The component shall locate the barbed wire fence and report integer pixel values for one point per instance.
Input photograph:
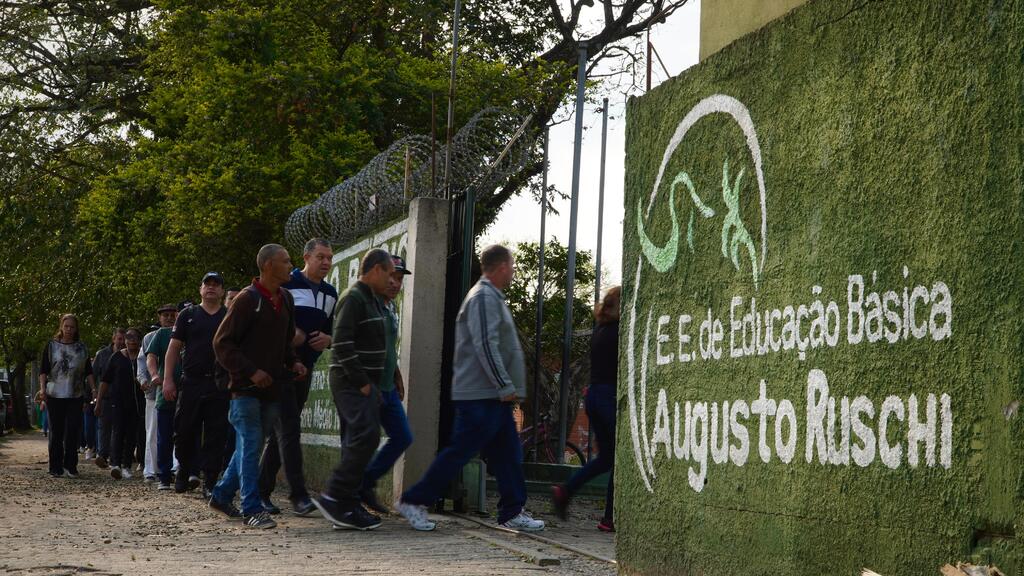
(485, 152)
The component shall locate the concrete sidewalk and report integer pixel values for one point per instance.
(98, 525)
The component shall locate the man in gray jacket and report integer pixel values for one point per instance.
(489, 376)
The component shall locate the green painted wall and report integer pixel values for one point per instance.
(320, 423)
(880, 147)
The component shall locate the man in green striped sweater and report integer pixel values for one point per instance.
(358, 355)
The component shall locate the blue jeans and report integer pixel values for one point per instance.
(487, 427)
(90, 431)
(396, 426)
(252, 421)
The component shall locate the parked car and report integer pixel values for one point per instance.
(6, 406)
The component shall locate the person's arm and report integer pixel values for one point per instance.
(98, 409)
(170, 389)
(90, 378)
(399, 384)
(344, 357)
(290, 357)
(44, 373)
(483, 319)
(108, 376)
(227, 341)
(327, 330)
(142, 372)
(153, 367)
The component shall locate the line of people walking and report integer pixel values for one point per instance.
(212, 397)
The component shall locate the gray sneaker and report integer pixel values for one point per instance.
(416, 515)
(524, 523)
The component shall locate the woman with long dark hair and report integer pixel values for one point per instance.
(63, 374)
(600, 405)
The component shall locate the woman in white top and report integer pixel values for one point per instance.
(63, 374)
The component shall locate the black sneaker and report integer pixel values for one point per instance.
(369, 498)
(193, 482)
(342, 517)
(227, 509)
(304, 508)
(269, 506)
(357, 519)
(259, 520)
(180, 482)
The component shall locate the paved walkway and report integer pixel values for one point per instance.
(100, 526)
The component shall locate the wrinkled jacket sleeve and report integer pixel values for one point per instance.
(290, 357)
(227, 342)
(345, 365)
(483, 319)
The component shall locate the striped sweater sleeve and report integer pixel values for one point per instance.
(348, 314)
(483, 318)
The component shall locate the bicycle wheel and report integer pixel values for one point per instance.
(548, 453)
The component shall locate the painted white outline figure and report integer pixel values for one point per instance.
(720, 104)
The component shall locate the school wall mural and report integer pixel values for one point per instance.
(821, 347)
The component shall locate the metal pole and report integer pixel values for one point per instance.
(648, 60)
(600, 203)
(451, 101)
(433, 146)
(600, 233)
(539, 327)
(570, 277)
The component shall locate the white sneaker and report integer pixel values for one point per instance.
(523, 522)
(416, 515)
(126, 473)
(89, 454)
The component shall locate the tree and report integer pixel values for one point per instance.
(522, 299)
(172, 137)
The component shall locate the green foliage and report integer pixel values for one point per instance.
(143, 142)
(522, 294)
(255, 110)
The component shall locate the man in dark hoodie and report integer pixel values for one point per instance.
(254, 345)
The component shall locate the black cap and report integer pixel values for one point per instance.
(184, 304)
(167, 308)
(215, 276)
(400, 264)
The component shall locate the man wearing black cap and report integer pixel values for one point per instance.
(392, 392)
(202, 409)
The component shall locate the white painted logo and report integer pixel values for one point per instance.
(915, 429)
(664, 258)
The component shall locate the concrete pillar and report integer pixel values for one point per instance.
(422, 335)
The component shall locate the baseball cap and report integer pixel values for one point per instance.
(166, 308)
(213, 276)
(400, 264)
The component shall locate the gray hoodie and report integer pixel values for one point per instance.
(488, 358)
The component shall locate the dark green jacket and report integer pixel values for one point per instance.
(360, 339)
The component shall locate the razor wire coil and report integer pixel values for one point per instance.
(382, 190)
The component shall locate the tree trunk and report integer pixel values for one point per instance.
(21, 420)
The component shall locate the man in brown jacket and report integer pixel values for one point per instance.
(254, 345)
